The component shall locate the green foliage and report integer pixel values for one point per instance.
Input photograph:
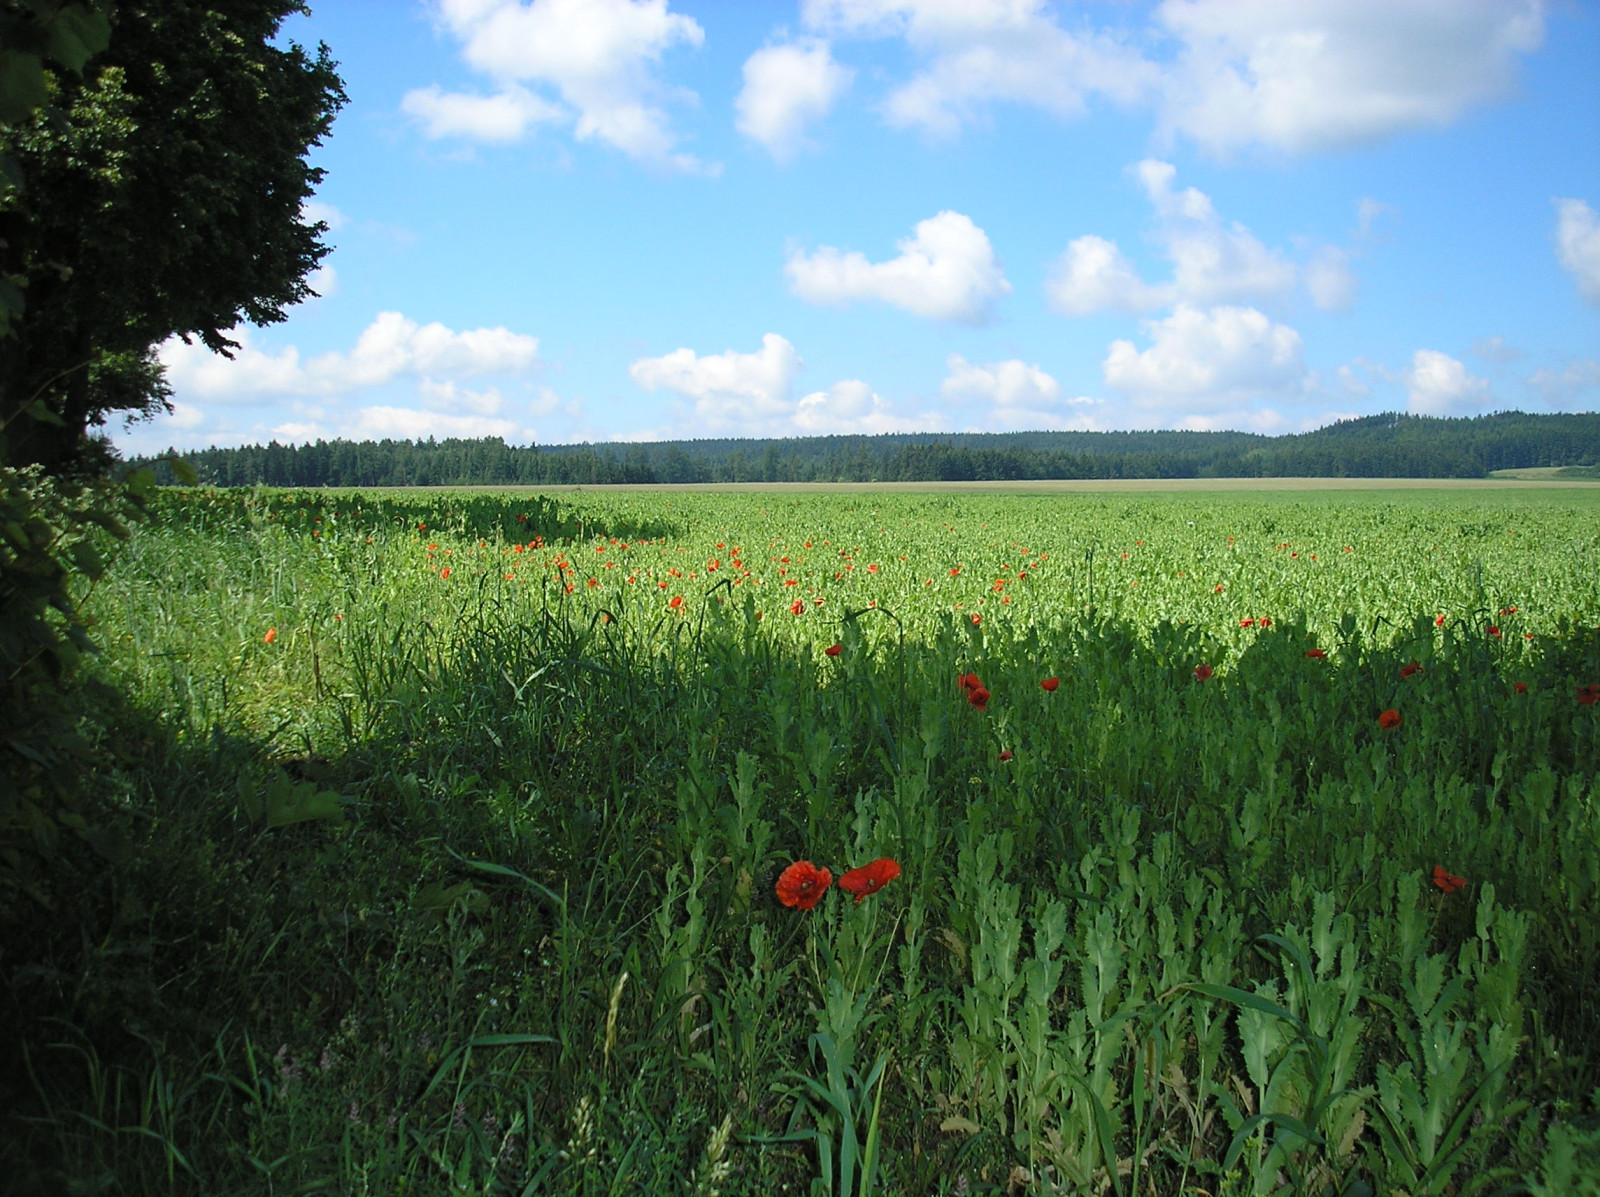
(159, 195)
(1185, 939)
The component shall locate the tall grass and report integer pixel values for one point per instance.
(465, 883)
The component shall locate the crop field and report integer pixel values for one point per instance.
(837, 843)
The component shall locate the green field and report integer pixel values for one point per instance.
(455, 821)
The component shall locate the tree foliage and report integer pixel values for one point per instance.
(1386, 446)
(159, 193)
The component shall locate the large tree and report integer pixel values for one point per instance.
(160, 193)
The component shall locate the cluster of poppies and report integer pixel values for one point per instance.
(977, 695)
(802, 884)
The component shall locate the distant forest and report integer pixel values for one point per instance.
(1383, 446)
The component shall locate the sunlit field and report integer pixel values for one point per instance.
(497, 843)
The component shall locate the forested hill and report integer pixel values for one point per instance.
(1383, 446)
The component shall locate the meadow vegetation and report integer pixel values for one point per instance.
(438, 837)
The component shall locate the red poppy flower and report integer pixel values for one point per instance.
(870, 878)
(1589, 695)
(1494, 631)
(1202, 672)
(1264, 622)
(1408, 670)
(802, 884)
(1448, 882)
(976, 619)
(677, 601)
(1219, 588)
(1389, 718)
(978, 697)
(445, 572)
(272, 634)
(1247, 623)
(1316, 654)
(1050, 684)
(1006, 754)
(796, 607)
(1439, 622)
(1520, 688)
(833, 650)
(969, 681)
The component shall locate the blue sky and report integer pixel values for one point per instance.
(569, 220)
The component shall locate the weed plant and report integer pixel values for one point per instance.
(455, 872)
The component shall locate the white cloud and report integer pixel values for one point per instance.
(1330, 281)
(313, 211)
(448, 398)
(1321, 74)
(977, 52)
(503, 116)
(1560, 387)
(1208, 360)
(1011, 383)
(1438, 385)
(786, 86)
(324, 281)
(404, 423)
(600, 56)
(728, 389)
(1212, 261)
(1578, 245)
(947, 271)
(390, 346)
(1094, 276)
(851, 406)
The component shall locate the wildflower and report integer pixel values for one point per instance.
(976, 619)
(1520, 688)
(1494, 631)
(1448, 882)
(1005, 755)
(1202, 672)
(1316, 654)
(1408, 670)
(1389, 719)
(272, 634)
(677, 601)
(969, 681)
(1247, 623)
(1439, 622)
(445, 572)
(833, 650)
(802, 884)
(979, 697)
(797, 607)
(1049, 684)
(869, 879)
(1589, 695)
(1219, 588)
(1264, 622)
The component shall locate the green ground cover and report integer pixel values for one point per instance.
(457, 819)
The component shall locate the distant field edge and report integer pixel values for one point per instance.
(1587, 473)
(1503, 481)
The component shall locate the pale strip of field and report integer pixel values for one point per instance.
(1059, 486)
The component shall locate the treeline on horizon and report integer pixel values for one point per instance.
(1382, 446)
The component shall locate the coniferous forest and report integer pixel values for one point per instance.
(1382, 446)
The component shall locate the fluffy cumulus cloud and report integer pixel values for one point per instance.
(1578, 245)
(946, 271)
(977, 52)
(1013, 395)
(1321, 74)
(1438, 385)
(851, 406)
(600, 57)
(1207, 361)
(728, 390)
(392, 345)
(1213, 261)
(785, 87)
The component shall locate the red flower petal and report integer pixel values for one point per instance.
(802, 885)
(870, 878)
